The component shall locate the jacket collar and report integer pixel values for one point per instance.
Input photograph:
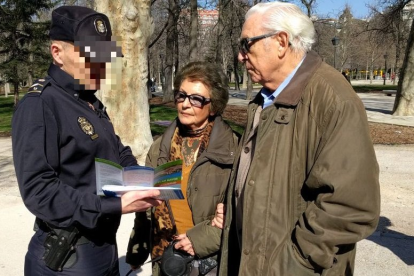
(291, 95)
(293, 92)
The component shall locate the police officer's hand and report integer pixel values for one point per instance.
(139, 201)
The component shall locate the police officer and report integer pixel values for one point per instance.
(58, 129)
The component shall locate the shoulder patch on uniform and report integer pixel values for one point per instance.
(38, 85)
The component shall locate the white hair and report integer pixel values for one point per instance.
(286, 17)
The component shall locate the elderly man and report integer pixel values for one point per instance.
(58, 130)
(305, 184)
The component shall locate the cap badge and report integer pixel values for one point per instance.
(100, 26)
(87, 127)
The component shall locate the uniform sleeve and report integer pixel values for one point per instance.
(344, 182)
(125, 154)
(36, 159)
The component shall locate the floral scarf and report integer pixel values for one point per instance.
(164, 228)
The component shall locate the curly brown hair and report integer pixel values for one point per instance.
(212, 76)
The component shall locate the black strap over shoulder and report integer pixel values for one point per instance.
(38, 85)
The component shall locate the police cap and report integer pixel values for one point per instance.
(89, 30)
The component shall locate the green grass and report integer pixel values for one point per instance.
(157, 113)
(357, 88)
(6, 112)
(235, 127)
(160, 113)
(369, 88)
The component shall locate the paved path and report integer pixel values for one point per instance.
(377, 105)
(389, 251)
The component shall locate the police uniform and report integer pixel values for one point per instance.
(58, 130)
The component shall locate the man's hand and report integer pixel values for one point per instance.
(139, 201)
(219, 218)
(184, 244)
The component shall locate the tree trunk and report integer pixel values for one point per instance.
(16, 93)
(219, 33)
(30, 70)
(404, 100)
(244, 84)
(173, 13)
(6, 89)
(128, 105)
(236, 74)
(149, 81)
(249, 90)
(193, 31)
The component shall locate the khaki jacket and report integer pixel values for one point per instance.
(312, 189)
(207, 187)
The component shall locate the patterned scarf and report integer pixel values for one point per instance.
(163, 219)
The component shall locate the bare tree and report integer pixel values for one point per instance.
(393, 22)
(309, 5)
(193, 30)
(128, 106)
(404, 101)
(171, 49)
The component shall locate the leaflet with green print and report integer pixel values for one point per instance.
(114, 180)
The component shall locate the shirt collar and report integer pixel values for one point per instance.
(269, 97)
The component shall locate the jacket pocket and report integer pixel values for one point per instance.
(295, 263)
(296, 255)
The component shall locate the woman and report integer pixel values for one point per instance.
(206, 144)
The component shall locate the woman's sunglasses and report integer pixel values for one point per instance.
(195, 100)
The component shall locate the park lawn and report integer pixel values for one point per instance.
(6, 112)
(358, 88)
(157, 113)
(373, 88)
(160, 113)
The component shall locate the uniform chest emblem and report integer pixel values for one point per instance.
(100, 26)
(87, 127)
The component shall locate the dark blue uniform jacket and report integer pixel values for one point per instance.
(56, 136)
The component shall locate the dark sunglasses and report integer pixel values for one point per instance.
(244, 42)
(195, 100)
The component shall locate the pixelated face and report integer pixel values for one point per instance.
(193, 112)
(88, 73)
(93, 66)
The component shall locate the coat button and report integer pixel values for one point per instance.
(251, 182)
(246, 252)
(282, 118)
(264, 117)
(196, 189)
(246, 150)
